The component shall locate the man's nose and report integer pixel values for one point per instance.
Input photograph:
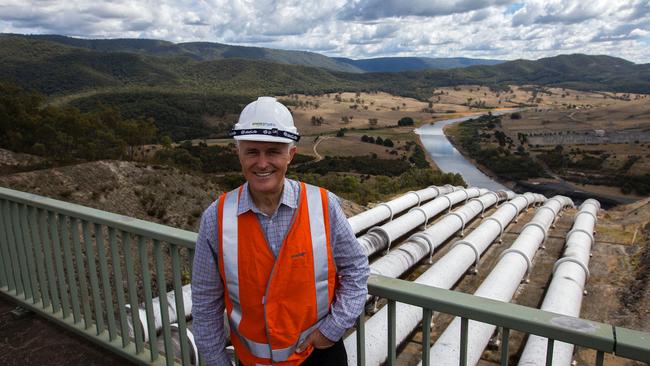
(262, 161)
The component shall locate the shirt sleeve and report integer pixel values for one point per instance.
(208, 294)
(352, 269)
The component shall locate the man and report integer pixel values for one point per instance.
(278, 255)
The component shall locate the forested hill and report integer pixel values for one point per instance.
(200, 51)
(399, 64)
(182, 93)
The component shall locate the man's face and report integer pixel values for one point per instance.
(265, 164)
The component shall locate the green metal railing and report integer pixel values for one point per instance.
(72, 264)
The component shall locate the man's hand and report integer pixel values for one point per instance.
(315, 339)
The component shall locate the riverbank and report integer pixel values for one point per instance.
(546, 186)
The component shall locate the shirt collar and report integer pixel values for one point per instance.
(290, 194)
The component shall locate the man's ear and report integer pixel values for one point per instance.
(292, 152)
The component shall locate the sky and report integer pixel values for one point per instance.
(494, 29)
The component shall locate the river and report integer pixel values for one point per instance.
(448, 159)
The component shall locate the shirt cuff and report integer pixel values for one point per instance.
(331, 330)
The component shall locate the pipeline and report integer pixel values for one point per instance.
(564, 294)
(381, 237)
(501, 284)
(387, 210)
(421, 244)
(443, 273)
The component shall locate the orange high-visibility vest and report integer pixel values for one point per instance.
(273, 304)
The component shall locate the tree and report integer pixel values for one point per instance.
(388, 143)
(406, 121)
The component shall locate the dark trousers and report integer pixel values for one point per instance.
(332, 356)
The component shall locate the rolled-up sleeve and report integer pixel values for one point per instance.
(207, 294)
(352, 269)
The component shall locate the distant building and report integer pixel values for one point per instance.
(600, 133)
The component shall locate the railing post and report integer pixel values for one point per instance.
(46, 239)
(361, 340)
(58, 261)
(19, 240)
(505, 346)
(146, 282)
(180, 307)
(81, 273)
(549, 352)
(392, 337)
(162, 295)
(119, 288)
(106, 283)
(92, 273)
(29, 252)
(464, 325)
(133, 294)
(426, 336)
(67, 255)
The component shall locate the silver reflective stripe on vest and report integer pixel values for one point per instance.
(319, 248)
(261, 350)
(230, 261)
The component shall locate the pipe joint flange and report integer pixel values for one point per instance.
(416, 195)
(500, 226)
(591, 236)
(425, 238)
(573, 260)
(529, 264)
(472, 246)
(588, 213)
(389, 210)
(424, 213)
(453, 189)
(448, 200)
(462, 221)
(482, 205)
(537, 225)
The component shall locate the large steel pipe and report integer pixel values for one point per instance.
(381, 237)
(443, 273)
(500, 284)
(564, 294)
(387, 210)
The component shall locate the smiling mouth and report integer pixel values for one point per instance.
(263, 175)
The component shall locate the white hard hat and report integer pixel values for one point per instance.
(265, 119)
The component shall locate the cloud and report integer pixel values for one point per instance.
(504, 29)
(378, 9)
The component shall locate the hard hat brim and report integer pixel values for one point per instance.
(263, 138)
